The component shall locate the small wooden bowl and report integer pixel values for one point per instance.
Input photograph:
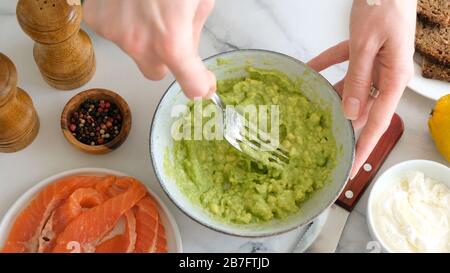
(96, 93)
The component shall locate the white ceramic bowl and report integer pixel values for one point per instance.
(173, 234)
(315, 87)
(396, 173)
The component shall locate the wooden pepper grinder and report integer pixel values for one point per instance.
(19, 123)
(63, 52)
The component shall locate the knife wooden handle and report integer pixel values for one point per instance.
(355, 187)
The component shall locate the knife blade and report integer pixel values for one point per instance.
(326, 242)
(329, 237)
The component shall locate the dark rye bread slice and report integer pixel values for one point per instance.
(435, 71)
(434, 11)
(433, 42)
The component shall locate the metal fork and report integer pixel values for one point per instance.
(238, 132)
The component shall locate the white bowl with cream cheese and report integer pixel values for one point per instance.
(409, 208)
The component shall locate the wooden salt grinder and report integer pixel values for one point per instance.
(19, 123)
(63, 52)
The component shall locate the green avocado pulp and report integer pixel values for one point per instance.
(234, 187)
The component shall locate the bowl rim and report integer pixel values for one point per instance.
(266, 234)
(109, 146)
(22, 201)
(369, 216)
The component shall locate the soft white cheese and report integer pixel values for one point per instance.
(413, 215)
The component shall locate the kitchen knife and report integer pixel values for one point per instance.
(331, 232)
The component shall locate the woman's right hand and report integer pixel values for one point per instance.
(159, 35)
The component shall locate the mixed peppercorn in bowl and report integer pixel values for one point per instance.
(96, 121)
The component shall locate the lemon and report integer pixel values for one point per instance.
(439, 125)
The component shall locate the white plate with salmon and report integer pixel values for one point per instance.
(89, 210)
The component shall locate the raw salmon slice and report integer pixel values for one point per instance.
(121, 243)
(147, 224)
(91, 226)
(25, 231)
(161, 242)
(79, 201)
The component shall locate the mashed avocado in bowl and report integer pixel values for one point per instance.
(232, 192)
(234, 187)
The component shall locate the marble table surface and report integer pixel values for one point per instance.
(300, 28)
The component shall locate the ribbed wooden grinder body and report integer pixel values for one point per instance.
(63, 52)
(19, 123)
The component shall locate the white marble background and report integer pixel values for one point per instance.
(300, 28)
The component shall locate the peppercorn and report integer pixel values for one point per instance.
(96, 122)
(72, 127)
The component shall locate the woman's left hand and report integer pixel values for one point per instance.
(380, 52)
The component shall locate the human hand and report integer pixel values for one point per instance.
(159, 35)
(380, 51)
